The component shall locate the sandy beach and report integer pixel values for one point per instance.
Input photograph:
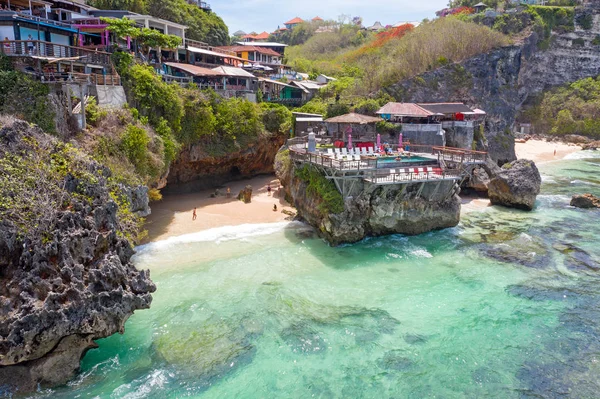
(173, 215)
(543, 151)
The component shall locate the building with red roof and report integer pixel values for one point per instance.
(293, 22)
(317, 19)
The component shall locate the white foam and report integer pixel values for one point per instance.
(586, 183)
(548, 179)
(583, 155)
(421, 253)
(219, 234)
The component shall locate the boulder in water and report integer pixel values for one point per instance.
(585, 201)
(516, 185)
(245, 195)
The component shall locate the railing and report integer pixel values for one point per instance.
(41, 48)
(75, 77)
(407, 175)
(447, 124)
(36, 19)
(460, 155)
(182, 80)
(290, 101)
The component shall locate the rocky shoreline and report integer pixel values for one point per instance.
(66, 277)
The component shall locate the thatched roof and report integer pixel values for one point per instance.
(353, 118)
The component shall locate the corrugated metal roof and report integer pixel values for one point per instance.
(232, 71)
(445, 108)
(209, 52)
(194, 70)
(308, 119)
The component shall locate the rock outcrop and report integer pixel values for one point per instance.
(501, 81)
(516, 185)
(586, 201)
(375, 210)
(65, 273)
(196, 169)
(245, 195)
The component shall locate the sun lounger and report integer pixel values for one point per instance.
(364, 151)
(344, 151)
(337, 151)
(330, 152)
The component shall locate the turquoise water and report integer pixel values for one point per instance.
(404, 159)
(506, 305)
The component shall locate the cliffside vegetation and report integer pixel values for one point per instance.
(365, 67)
(571, 109)
(203, 26)
(331, 200)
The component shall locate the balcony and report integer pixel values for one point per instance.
(39, 48)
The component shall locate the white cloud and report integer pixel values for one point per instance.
(261, 15)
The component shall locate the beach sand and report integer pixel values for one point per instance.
(543, 151)
(172, 216)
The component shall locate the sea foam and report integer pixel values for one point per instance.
(219, 234)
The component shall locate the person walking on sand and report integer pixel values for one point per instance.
(194, 214)
(228, 192)
(269, 190)
(275, 208)
(555, 152)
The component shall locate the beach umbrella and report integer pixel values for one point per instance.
(400, 140)
(349, 141)
(378, 141)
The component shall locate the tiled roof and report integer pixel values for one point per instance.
(317, 18)
(261, 50)
(262, 36)
(404, 109)
(296, 20)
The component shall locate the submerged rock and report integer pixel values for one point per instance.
(516, 185)
(525, 250)
(395, 360)
(585, 201)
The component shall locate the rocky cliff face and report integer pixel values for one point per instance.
(196, 169)
(376, 210)
(65, 273)
(501, 81)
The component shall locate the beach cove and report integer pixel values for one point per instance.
(503, 305)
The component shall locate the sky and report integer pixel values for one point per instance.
(267, 15)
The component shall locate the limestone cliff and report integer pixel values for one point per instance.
(501, 81)
(196, 168)
(65, 273)
(375, 210)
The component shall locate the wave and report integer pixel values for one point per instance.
(587, 154)
(220, 234)
(587, 183)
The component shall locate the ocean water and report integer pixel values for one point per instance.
(506, 305)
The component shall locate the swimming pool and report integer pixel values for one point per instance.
(405, 159)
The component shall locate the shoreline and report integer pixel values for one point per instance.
(172, 216)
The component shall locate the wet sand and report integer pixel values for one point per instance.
(173, 215)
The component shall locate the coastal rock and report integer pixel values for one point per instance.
(245, 195)
(66, 278)
(576, 139)
(375, 210)
(594, 145)
(516, 185)
(479, 180)
(204, 165)
(585, 201)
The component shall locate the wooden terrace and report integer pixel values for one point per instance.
(53, 52)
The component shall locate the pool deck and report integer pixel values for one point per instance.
(430, 167)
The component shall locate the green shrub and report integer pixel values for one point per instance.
(586, 21)
(276, 118)
(93, 113)
(134, 143)
(331, 200)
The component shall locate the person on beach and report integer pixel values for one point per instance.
(275, 208)
(269, 190)
(194, 214)
(555, 152)
(228, 192)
